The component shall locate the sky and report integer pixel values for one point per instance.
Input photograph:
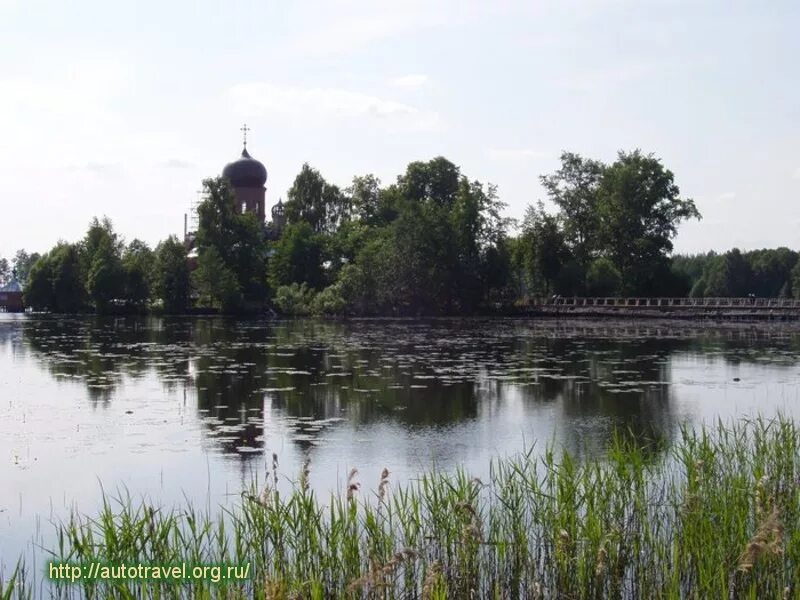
(121, 109)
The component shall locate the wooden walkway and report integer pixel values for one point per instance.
(681, 308)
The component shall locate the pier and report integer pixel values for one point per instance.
(677, 308)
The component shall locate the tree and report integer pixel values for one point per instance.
(99, 236)
(22, 264)
(105, 280)
(138, 263)
(365, 196)
(215, 283)
(574, 189)
(728, 276)
(298, 257)
(771, 271)
(38, 292)
(55, 281)
(101, 263)
(639, 207)
(294, 299)
(171, 275)
(603, 278)
(237, 239)
(436, 181)
(795, 280)
(546, 248)
(317, 202)
(5, 271)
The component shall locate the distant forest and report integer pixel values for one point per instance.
(433, 242)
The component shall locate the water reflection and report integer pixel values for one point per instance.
(419, 375)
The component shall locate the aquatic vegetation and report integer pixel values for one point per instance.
(716, 517)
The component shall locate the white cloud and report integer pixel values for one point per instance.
(346, 35)
(515, 154)
(726, 196)
(409, 81)
(269, 99)
(606, 77)
(176, 163)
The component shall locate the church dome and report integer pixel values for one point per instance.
(245, 172)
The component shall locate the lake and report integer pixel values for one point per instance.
(195, 407)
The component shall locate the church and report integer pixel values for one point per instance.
(248, 178)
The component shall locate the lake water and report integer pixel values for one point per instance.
(196, 407)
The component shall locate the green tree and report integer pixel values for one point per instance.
(22, 264)
(38, 292)
(547, 251)
(365, 199)
(313, 200)
(215, 283)
(729, 276)
(435, 181)
(237, 239)
(771, 271)
(55, 281)
(297, 257)
(574, 189)
(639, 207)
(68, 281)
(329, 301)
(171, 275)
(99, 236)
(101, 263)
(138, 263)
(5, 271)
(105, 281)
(795, 280)
(295, 299)
(603, 278)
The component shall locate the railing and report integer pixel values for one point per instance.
(743, 303)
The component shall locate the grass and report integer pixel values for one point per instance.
(716, 518)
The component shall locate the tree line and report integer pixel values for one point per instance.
(431, 242)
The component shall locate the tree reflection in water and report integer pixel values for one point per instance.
(598, 380)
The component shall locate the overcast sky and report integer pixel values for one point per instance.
(122, 108)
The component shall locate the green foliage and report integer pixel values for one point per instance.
(22, 264)
(56, 281)
(138, 262)
(5, 271)
(295, 299)
(171, 281)
(574, 189)
(38, 293)
(329, 301)
(105, 281)
(639, 207)
(716, 518)
(546, 251)
(433, 242)
(101, 263)
(298, 257)
(603, 278)
(236, 239)
(314, 201)
(368, 201)
(765, 273)
(627, 212)
(215, 283)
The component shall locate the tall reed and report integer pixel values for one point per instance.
(717, 517)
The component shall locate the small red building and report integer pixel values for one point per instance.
(11, 297)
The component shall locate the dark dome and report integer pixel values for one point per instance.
(245, 172)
